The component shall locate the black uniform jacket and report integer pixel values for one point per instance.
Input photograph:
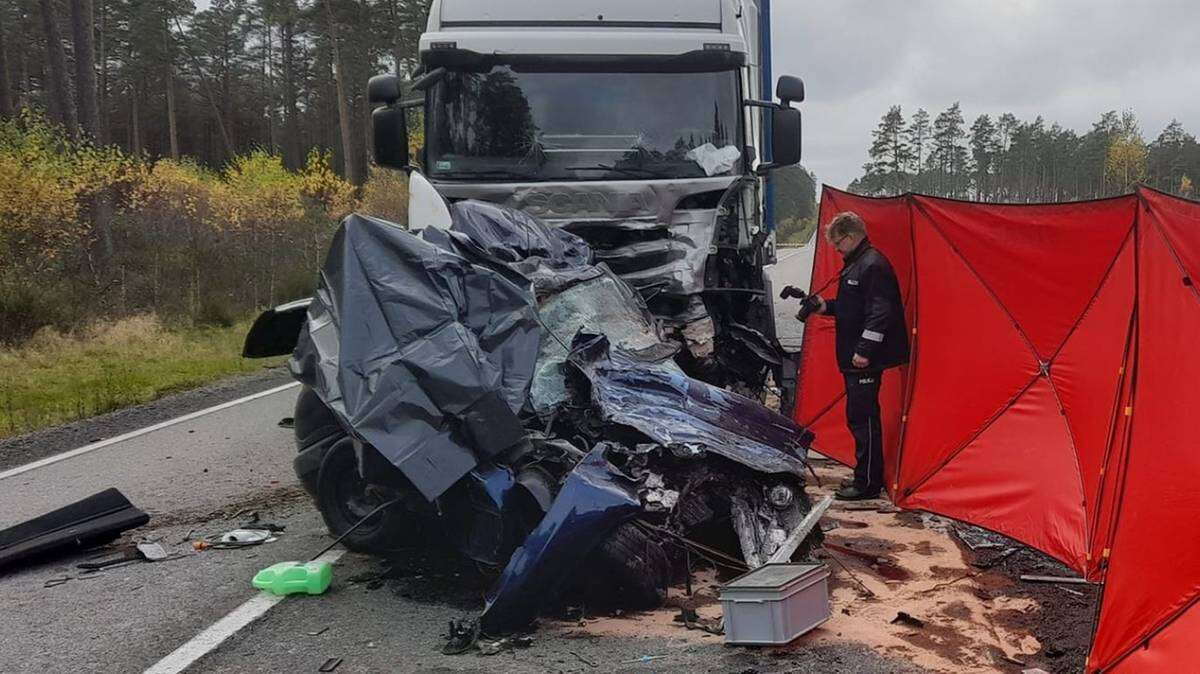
(868, 314)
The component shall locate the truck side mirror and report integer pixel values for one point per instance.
(785, 137)
(789, 89)
(390, 131)
(383, 89)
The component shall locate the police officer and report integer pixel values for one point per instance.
(871, 337)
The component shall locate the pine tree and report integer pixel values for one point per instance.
(1172, 156)
(61, 104)
(984, 148)
(918, 136)
(890, 154)
(949, 153)
(83, 39)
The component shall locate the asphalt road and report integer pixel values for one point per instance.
(211, 473)
(794, 267)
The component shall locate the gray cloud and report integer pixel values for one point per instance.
(1067, 60)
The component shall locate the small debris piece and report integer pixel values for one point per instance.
(492, 647)
(287, 422)
(238, 538)
(152, 552)
(975, 538)
(584, 660)
(55, 582)
(1053, 579)
(964, 576)
(246, 536)
(845, 568)
(860, 507)
(1068, 590)
(319, 632)
(644, 658)
(980, 564)
(785, 551)
(906, 619)
(461, 637)
(330, 665)
(1035, 670)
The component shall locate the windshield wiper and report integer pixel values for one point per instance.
(486, 173)
(635, 171)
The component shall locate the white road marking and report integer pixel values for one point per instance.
(141, 431)
(256, 607)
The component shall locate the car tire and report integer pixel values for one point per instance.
(633, 569)
(344, 498)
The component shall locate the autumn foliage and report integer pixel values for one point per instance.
(90, 232)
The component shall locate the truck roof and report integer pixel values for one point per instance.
(695, 14)
(588, 27)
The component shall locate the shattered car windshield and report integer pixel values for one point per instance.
(584, 125)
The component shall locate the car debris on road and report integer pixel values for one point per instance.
(87, 523)
(522, 402)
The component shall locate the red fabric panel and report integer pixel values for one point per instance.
(820, 401)
(1019, 477)
(970, 361)
(1043, 262)
(1001, 290)
(1172, 651)
(1153, 578)
(1087, 375)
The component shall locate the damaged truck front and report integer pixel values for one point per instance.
(540, 372)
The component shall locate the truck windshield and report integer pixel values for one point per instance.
(536, 126)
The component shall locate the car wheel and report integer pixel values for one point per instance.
(344, 498)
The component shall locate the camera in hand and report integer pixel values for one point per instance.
(808, 303)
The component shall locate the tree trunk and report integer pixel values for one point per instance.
(292, 151)
(172, 114)
(349, 161)
(103, 92)
(23, 80)
(135, 130)
(84, 39)
(59, 92)
(269, 85)
(169, 79)
(6, 96)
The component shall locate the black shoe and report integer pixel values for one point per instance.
(853, 493)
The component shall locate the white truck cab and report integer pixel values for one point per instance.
(638, 126)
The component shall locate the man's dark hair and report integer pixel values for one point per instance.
(845, 224)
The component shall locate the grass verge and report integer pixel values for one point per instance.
(55, 378)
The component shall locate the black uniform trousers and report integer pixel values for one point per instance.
(863, 419)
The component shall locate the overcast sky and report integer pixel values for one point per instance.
(1068, 60)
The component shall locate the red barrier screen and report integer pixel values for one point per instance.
(1048, 392)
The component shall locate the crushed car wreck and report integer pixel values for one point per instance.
(521, 400)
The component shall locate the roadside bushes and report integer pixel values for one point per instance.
(88, 233)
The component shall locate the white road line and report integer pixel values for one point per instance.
(792, 252)
(141, 431)
(256, 607)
